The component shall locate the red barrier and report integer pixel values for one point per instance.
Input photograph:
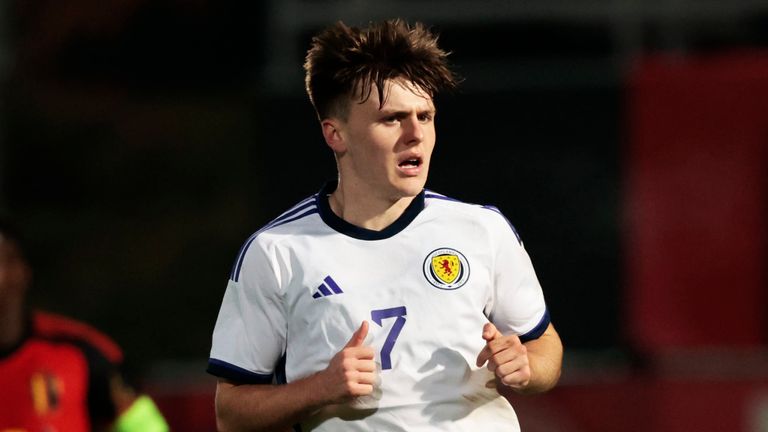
(702, 392)
(690, 391)
(697, 188)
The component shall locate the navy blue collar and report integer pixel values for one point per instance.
(346, 228)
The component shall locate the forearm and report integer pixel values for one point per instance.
(545, 355)
(545, 358)
(263, 407)
(351, 373)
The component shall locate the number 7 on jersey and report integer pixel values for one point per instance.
(377, 316)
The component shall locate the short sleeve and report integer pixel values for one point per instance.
(517, 301)
(249, 336)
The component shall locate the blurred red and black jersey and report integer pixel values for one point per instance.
(57, 379)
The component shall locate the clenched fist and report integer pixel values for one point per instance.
(352, 371)
(506, 356)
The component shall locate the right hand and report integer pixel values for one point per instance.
(352, 371)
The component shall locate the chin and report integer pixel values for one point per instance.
(411, 189)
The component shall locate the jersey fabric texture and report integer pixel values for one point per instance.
(427, 284)
(57, 378)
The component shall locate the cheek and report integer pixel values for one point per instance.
(430, 135)
(429, 145)
(372, 159)
(380, 151)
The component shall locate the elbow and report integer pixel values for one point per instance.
(222, 425)
(224, 416)
(225, 423)
(552, 381)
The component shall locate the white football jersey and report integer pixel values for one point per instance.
(302, 285)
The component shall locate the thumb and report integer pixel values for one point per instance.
(490, 332)
(358, 337)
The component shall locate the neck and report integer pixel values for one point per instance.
(365, 210)
(11, 324)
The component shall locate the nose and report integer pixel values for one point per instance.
(413, 130)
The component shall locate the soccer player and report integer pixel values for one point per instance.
(58, 374)
(375, 304)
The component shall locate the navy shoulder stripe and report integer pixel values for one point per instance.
(237, 374)
(300, 210)
(434, 195)
(514, 230)
(430, 194)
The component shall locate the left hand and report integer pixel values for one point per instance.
(507, 357)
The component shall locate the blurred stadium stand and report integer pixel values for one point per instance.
(141, 142)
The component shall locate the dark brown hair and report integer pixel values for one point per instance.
(342, 58)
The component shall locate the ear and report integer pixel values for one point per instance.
(333, 136)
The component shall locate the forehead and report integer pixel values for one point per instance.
(399, 94)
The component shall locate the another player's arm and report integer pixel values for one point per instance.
(265, 407)
(526, 368)
(135, 412)
(113, 404)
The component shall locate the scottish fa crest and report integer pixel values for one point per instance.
(446, 268)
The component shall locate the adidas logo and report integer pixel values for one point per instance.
(327, 289)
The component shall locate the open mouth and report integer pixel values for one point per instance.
(411, 163)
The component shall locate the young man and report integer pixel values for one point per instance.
(377, 305)
(57, 374)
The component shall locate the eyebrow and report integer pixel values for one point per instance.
(400, 113)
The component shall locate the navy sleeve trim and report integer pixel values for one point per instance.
(231, 372)
(537, 331)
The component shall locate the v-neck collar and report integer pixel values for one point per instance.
(334, 221)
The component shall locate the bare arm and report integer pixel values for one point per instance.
(266, 407)
(262, 407)
(545, 357)
(526, 368)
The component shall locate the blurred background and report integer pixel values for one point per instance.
(141, 142)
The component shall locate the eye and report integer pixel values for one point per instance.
(425, 117)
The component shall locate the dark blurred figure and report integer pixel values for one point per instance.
(57, 374)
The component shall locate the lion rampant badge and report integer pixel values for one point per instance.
(446, 268)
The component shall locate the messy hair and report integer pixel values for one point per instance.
(344, 60)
